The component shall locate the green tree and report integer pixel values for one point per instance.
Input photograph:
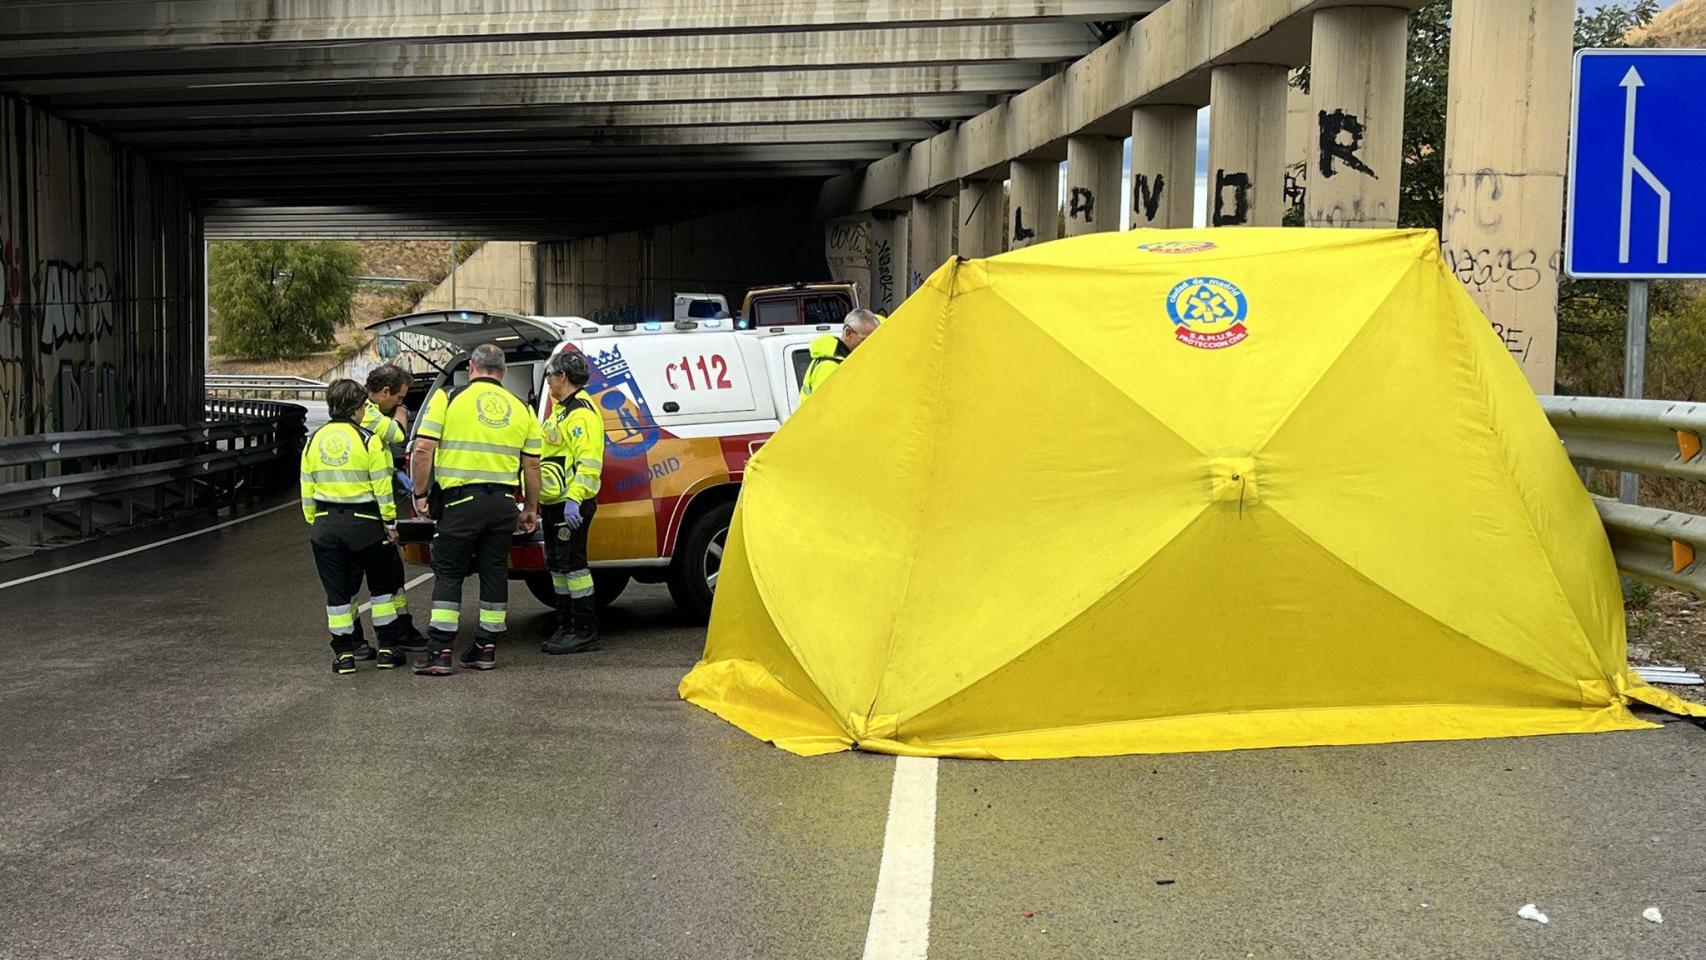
(274, 299)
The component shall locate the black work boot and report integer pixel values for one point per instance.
(359, 649)
(482, 653)
(343, 656)
(435, 664)
(390, 658)
(410, 640)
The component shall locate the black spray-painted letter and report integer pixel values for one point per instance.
(1239, 183)
(1147, 200)
(1332, 148)
(1082, 206)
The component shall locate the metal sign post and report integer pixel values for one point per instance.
(1637, 207)
(1634, 371)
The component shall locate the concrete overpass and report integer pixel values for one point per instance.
(656, 146)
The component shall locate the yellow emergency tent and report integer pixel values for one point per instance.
(1169, 491)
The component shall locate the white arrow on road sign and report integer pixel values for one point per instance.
(1632, 165)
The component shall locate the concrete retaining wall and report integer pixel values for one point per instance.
(101, 277)
(635, 275)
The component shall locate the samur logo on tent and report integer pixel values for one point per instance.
(1208, 313)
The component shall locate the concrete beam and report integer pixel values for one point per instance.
(79, 27)
(1163, 166)
(1033, 213)
(1246, 146)
(612, 144)
(266, 101)
(1093, 175)
(1160, 59)
(1505, 150)
(898, 112)
(404, 62)
(1357, 86)
(979, 215)
(533, 154)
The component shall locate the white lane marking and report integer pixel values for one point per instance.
(147, 546)
(900, 914)
(423, 578)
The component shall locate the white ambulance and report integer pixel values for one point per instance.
(686, 404)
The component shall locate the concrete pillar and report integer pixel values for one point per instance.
(1300, 137)
(1093, 177)
(1163, 166)
(847, 252)
(931, 229)
(1505, 149)
(1356, 80)
(1246, 146)
(979, 217)
(888, 260)
(1033, 214)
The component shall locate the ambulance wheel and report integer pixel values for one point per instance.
(693, 575)
(607, 585)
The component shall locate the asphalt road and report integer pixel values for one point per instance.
(184, 777)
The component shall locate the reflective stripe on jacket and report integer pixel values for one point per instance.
(482, 432)
(574, 451)
(343, 463)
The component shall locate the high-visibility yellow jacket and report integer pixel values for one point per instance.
(574, 451)
(386, 428)
(482, 431)
(343, 463)
(827, 353)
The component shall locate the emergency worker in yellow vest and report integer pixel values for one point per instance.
(574, 461)
(474, 446)
(827, 352)
(346, 499)
(387, 418)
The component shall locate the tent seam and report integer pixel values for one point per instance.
(1087, 365)
(1338, 358)
(1123, 585)
(930, 470)
(1480, 383)
(1359, 574)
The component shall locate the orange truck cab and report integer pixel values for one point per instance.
(686, 404)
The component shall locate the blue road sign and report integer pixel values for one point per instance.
(1637, 206)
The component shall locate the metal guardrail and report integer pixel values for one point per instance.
(1650, 437)
(242, 448)
(244, 385)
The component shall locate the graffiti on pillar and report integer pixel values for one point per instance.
(57, 367)
(17, 387)
(1335, 127)
(87, 395)
(1146, 195)
(1021, 233)
(75, 302)
(1237, 183)
(885, 274)
(1297, 186)
(1513, 271)
(1082, 205)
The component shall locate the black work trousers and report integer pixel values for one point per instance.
(571, 578)
(349, 546)
(473, 536)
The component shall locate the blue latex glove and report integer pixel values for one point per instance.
(572, 515)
